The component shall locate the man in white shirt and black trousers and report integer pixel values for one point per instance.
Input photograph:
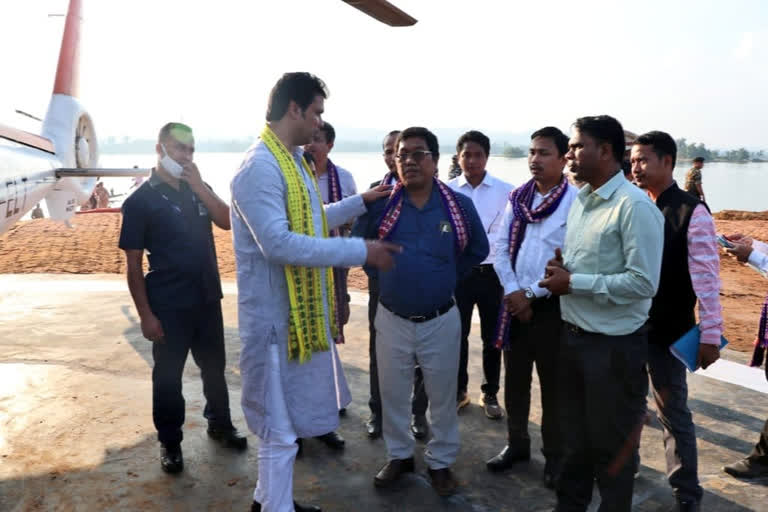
(532, 228)
(481, 287)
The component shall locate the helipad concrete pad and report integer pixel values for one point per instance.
(76, 430)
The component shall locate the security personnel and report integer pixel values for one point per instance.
(179, 300)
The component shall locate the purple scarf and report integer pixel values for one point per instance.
(339, 274)
(761, 342)
(456, 214)
(522, 202)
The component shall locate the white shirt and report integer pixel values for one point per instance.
(758, 258)
(538, 246)
(346, 181)
(490, 198)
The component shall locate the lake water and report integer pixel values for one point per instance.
(728, 186)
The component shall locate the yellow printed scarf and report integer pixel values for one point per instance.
(307, 316)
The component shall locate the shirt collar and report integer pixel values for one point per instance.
(487, 180)
(607, 189)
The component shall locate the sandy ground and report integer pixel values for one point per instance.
(45, 246)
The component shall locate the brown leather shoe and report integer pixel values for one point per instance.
(392, 471)
(443, 481)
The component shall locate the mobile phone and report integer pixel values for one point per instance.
(724, 242)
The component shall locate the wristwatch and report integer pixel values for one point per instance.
(529, 294)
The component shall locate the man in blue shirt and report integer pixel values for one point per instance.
(179, 300)
(418, 323)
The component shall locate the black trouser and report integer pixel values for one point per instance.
(603, 385)
(482, 288)
(419, 401)
(670, 391)
(760, 451)
(201, 331)
(536, 341)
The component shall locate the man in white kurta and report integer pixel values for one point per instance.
(283, 399)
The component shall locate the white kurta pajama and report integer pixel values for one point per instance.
(283, 400)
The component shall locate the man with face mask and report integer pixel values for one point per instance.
(605, 279)
(293, 381)
(690, 272)
(442, 238)
(179, 301)
(529, 327)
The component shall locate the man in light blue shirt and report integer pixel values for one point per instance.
(606, 279)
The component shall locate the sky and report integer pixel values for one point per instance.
(696, 69)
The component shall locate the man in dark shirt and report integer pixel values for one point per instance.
(179, 300)
(419, 425)
(442, 238)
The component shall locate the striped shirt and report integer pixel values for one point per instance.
(704, 267)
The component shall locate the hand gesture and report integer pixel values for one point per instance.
(191, 175)
(557, 261)
(381, 255)
(741, 251)
(376, 192)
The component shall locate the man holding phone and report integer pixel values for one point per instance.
(179, 300)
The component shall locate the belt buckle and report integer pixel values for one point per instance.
(418, 318)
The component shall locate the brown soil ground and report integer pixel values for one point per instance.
(45, 246)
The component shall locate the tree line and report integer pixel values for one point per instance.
(685, 151)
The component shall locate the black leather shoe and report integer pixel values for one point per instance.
(256, 507)
(392, 471)
(332, 440)
(443, 481)
(342, 412)
(171, 459)
(230, 438)
(686, 506)
(551, 473)
(373, 427)
(419, 426)
(507, 458)
(747, 468)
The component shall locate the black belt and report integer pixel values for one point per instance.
(424, 318)
(575, 329)
(488, 267)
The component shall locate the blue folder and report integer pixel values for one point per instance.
(686, 349)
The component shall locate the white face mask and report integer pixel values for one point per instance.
(170, 165)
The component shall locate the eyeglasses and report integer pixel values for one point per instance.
(417, 156)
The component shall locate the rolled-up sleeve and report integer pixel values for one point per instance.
(258, 199)
(642, 238)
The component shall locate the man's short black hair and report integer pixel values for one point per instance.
(661, 143)
(699, 159)
(429, 137)
(478, 138)
(300, 87)
(384, 140)
(330, 133)
(178, 131)
(604, 129)
(559, 138)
